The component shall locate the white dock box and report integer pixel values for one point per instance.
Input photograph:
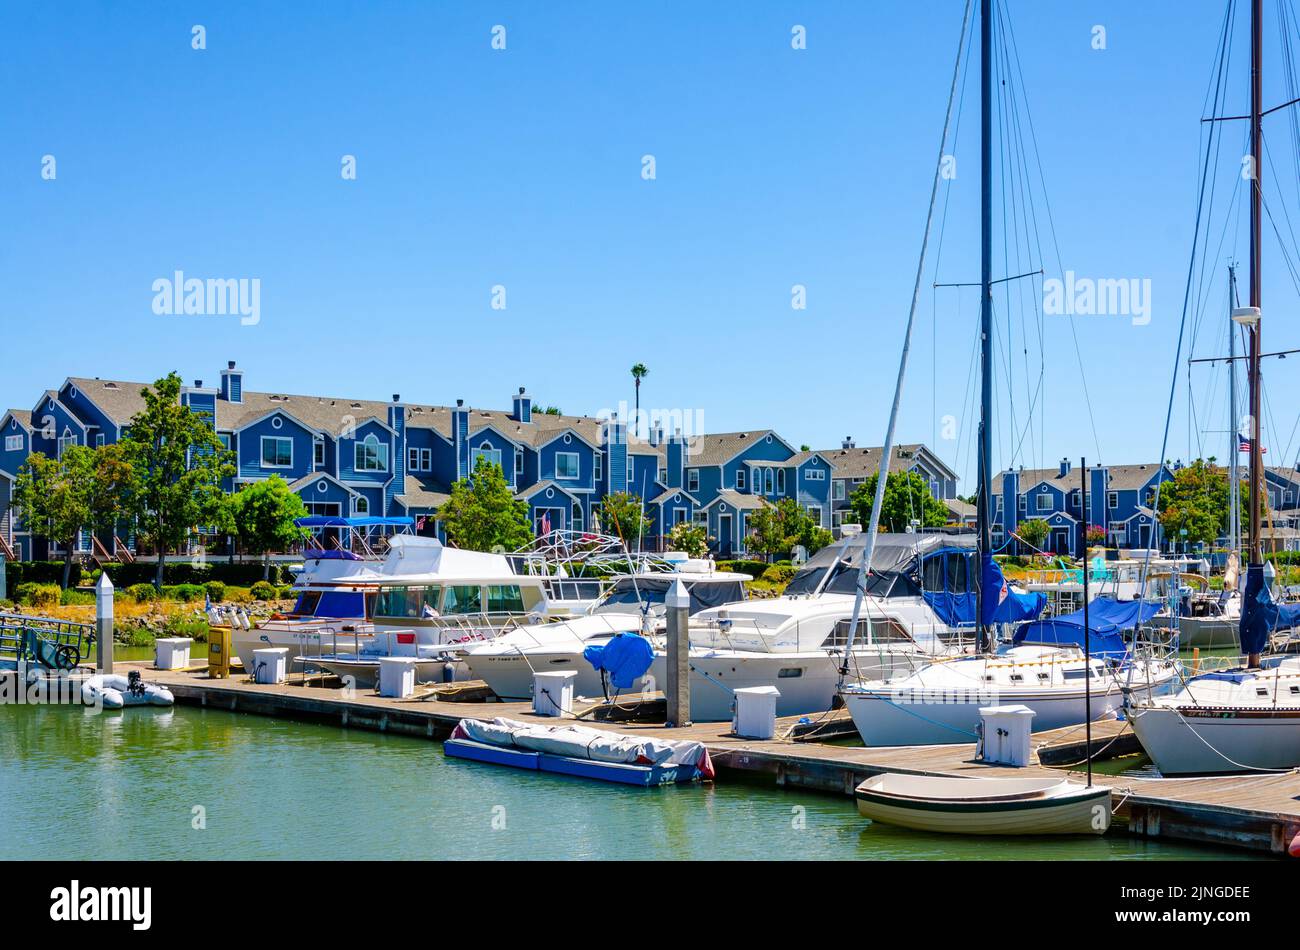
(755, 712)
(172, 653)
(397, 676)
(553, 692)
(1006, 732)
(270, 665)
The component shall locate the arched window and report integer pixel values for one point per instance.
(371, 455)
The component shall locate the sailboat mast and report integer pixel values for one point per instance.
(984, 511)
(1234, 426)
(1256, 551)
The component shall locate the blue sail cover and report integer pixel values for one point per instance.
(956, 606)
(626, 657)
(1260, 614)
(1107, 620)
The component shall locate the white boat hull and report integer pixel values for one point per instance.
(1209, 633)
(1186, 740)
(900, 717)
(510, 675)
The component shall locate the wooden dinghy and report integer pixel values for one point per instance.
(985, 806)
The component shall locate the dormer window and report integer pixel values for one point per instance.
(318, 451)
(740, 479)
(370, 455)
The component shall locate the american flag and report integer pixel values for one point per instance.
(1243, 445)
(546, 524)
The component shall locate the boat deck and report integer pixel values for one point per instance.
(1260, 812)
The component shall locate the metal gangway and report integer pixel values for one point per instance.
(44, 641)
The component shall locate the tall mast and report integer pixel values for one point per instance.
(983, 512)
(1256, 551)
(1234, 426)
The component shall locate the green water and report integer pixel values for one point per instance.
(76, 784)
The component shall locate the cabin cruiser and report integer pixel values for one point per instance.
(456, 596)
(634, 603)
(1043, 667)
(919, 605)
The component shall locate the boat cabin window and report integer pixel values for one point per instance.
(887, 630)
(463, 599)
(505, 599)
(407, 602)
(947, 571)
(574, 590)
(307, 601)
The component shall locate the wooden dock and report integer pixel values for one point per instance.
(1257, 812)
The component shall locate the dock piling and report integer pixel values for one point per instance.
(104, 624)
(678, 602)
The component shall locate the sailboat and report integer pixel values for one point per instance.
(940, 702)
(1245, 719)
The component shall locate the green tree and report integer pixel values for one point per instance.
(907, 497)
(623, 514)
(482, 513)
(112, 485)
(262, 517)
(776, 529)
(1033, 532)
(178, 463)
(54, 495)
(639, 372)
(1195, 501)
(689, 537)
(551, 411)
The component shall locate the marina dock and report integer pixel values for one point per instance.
(1258, 812)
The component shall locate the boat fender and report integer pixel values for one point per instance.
(448, 672)
(1294, 850)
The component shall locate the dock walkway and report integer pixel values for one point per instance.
(1260, 812)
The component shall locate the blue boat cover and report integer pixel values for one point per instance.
(331, 521)
(957, 607)
(1260, 614)
(1108, 618)
(332, 554)
(334, 604)
(626, 657)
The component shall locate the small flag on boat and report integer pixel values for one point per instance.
(1243, 445)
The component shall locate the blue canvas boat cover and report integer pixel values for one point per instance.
(626, 657)
(1260, 614)
(331, 521)
(956, 603)
(1108, 618)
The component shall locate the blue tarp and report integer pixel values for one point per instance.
(1260, 614)
(1003, 605)
(330, 521)
(1107, 620)
(626, 658)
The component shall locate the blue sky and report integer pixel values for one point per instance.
(522, 168)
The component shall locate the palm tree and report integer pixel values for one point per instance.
(639, 372)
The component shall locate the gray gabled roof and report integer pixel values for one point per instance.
(864, 462)
(738, 500)
(721, 447)
(422, 493)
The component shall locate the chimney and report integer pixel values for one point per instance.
(460, 438)
(397, 397)
(522, 410)
(1064, 468)
(848, 443)
(232, 383)
(198, 384)
(676, 459)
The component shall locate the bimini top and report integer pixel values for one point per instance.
(895, 556)
(332, 521)
(1108, 618)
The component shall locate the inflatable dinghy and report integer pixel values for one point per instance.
(113, 691)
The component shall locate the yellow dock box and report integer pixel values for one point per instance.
(220, 641)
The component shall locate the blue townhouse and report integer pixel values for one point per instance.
(352, 457)
(1120, 499)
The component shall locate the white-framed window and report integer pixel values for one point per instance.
(485, 451)
(575, 520)
(224, 439)
(13, 443)
(66, 440)
(1076, 498)
(277, 452)
(519, 461)
(1044, 501)
(837, 489)
(631, 480)
(361, 505)
(370, 455)
(816, 512)
(599, 465)
(318, 451)
(837, 518)
(780, 481)
(692, 479)
(99, 440)
(1117, 530)
(740, 478)
(817, 475)
(418, 459)
(663, 474)
(1112, 499)
(566, 465)
(1022, 503)
(701, 517)
(767, 481)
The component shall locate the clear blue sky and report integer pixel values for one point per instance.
(522, 168)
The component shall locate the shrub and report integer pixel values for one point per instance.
(184, 592)
(779, 574)
(216, 591)
(238, 595)
(263, 590)
(143, 593)
(194, 627)
(284, 592)
(77, 598)
(32, 594)
(752, 568)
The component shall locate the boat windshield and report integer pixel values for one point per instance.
(630, 592)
